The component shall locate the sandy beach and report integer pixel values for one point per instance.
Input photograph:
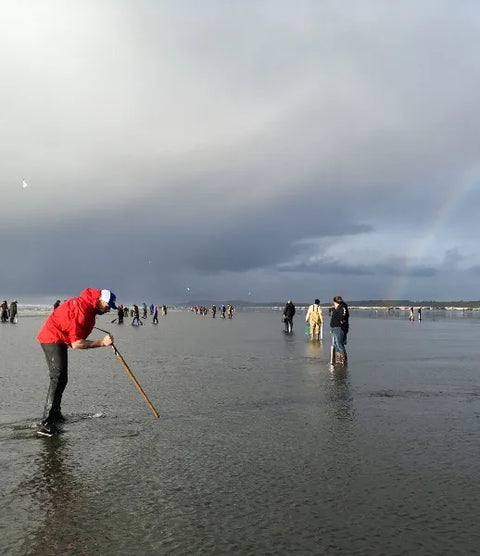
(260, 448)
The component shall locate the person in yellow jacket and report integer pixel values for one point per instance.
(315, 319)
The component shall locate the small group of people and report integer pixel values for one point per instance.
(226, 311)
(134, 312)
(154, 312)
(202, 310)
(9, 313)
(411, 314)
(339, 325)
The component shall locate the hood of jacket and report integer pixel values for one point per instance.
(90, 296)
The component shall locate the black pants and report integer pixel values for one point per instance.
(57, 361)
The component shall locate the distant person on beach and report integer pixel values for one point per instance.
(155, 315)
(214, 311)
(315, 319)
(4, 309)
(69, 326)
(56, 304)
(420, 314)
(120, 314)
(13, 311)
(136, 316)
(223, 311)
(339, 325)
(288, 314)
(411, 316)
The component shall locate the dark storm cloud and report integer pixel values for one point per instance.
(141, 247)
(388, 268)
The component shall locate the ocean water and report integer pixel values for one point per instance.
(261, 447)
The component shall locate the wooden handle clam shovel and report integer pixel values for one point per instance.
(135, 381)
(131, 375)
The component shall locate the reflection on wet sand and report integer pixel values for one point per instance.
(314, 349)
(340, 393)
(58, 494)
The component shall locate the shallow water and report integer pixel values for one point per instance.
(260, 448)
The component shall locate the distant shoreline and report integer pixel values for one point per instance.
(32, 310)
(370, 307)
(379, 304)
(407, 308)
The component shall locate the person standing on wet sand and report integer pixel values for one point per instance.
(120, 314)
(13, 310)
(4, 309)
(339, 325)
(136, 316)
(69, 326)
(315, 319)
(288, 314)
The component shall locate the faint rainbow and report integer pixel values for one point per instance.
(421, 245)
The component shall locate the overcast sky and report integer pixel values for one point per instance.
(264, 151)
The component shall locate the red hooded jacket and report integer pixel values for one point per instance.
(73, 320)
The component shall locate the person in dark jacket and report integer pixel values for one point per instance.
(136, 316)
(120, 314)
(339, 324)
(288, 314)
(4, 309)
(69, 326)
(13, 310)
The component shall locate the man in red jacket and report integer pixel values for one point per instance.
(68, 326)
